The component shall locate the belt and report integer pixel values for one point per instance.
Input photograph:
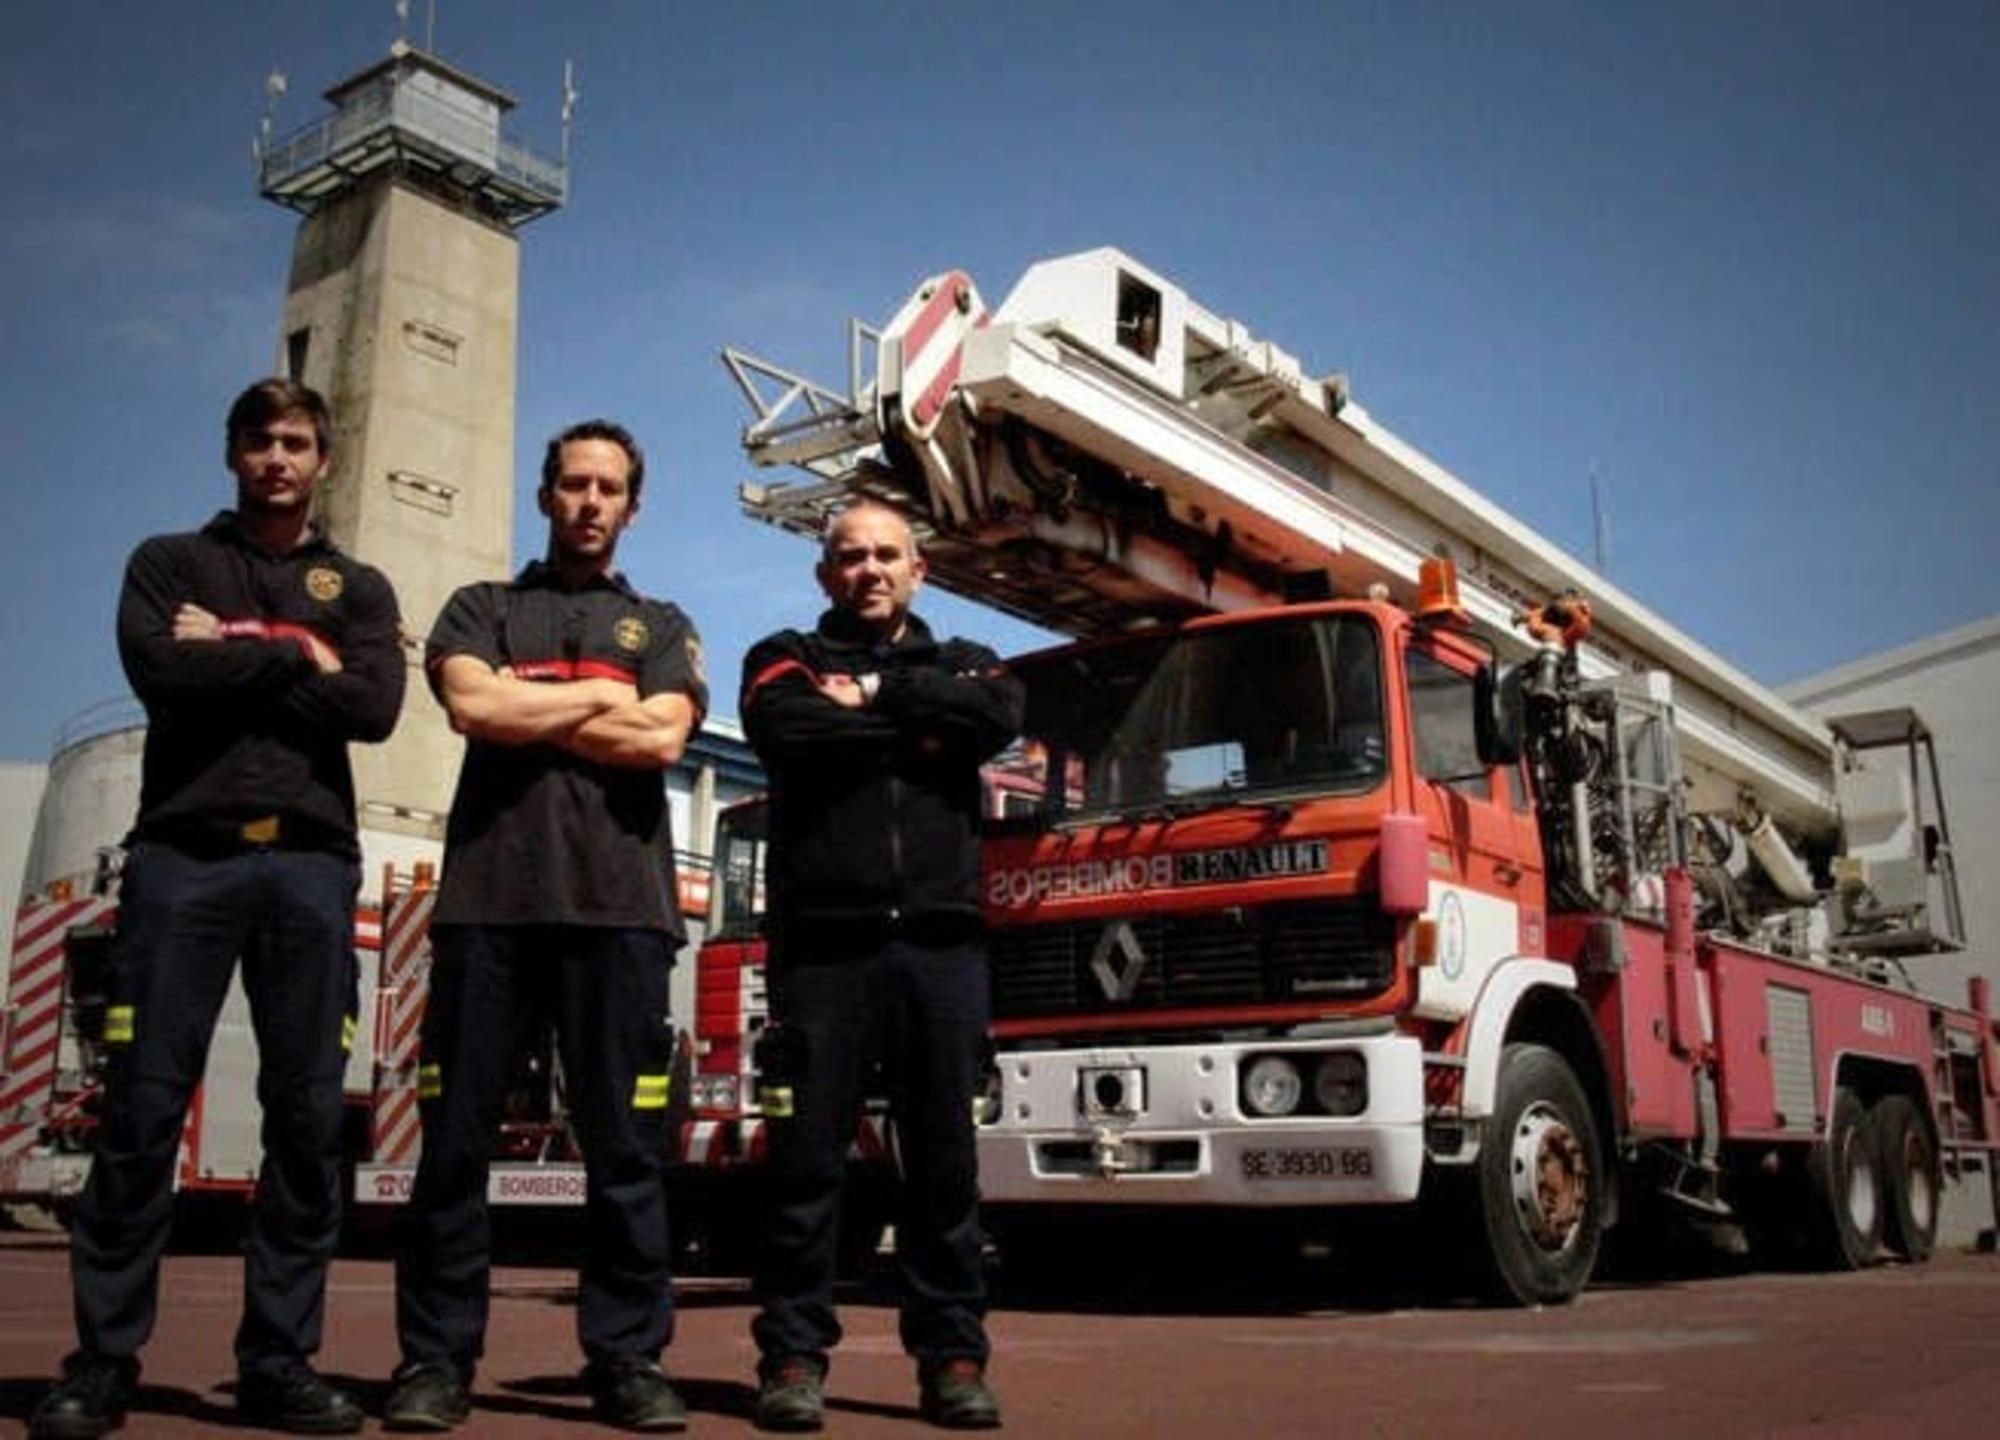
(220, 839)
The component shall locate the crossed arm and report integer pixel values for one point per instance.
(175, 655)
(795, 712)
(599, 720)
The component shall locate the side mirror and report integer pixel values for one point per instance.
(1499, 715)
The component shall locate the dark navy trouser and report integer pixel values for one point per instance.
(920, 1011)
(492, 987)
(183, 922)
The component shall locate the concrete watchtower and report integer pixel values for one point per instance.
(402, 311)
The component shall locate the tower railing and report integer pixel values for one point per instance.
(390, 121)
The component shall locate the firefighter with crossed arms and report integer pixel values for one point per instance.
(872, 732)
(574, 693)
(259, 651)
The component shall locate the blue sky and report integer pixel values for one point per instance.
(1742, 261)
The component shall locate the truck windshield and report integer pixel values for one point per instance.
(738, 902)
(1175, 722)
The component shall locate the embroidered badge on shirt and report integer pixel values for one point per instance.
(630, 634)
(322, 583)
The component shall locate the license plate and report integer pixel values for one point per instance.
(1332, 1162)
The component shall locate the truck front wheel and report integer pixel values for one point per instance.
(1540, 1182)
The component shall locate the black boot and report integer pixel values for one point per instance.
(296, 1400)
(88, 1401)
(791, 1396)
(636, 1395)
(431, 1396)
(955, 1396)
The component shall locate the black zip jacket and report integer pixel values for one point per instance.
(247, 727)
(875, 811)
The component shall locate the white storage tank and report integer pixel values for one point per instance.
(91, 797)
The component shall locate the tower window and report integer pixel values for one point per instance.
(433, 341)
(422, 492)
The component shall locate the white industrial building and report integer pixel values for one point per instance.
(1953, 681)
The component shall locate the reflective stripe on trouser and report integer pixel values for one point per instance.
(922, 1011)
(493, 988)
(183, 922)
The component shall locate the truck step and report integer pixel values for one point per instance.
(1696, 1186)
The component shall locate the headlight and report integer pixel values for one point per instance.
(1271, 1086)
(1340, 1085)
(713, 1092)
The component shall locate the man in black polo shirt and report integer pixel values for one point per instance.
(259, 651)
(574, 693)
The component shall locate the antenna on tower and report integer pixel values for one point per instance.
(275, 85)
(1600, 528)
(570, 96)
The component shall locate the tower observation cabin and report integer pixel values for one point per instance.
(435, 127)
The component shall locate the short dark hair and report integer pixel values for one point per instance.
(828, 540)
(597, 430)
(274, 399)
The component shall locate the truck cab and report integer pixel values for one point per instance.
(1204, 862)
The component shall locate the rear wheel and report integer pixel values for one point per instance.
(1540, 1182)
(1911, 1183)
(1846, 1187)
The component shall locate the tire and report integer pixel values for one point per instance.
(1539, 1187)
(1911, 1180)
(1845, 1186)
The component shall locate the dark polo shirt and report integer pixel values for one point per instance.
(538, 836)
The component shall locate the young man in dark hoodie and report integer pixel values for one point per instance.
(259, 651)
(872, 733)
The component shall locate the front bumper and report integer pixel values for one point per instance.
(1179, 1135)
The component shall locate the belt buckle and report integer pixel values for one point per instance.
(261, 831)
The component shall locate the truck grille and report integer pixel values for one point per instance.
(1269, 954)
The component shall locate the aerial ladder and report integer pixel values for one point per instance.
(1101, 453)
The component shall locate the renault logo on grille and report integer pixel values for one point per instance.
(1117, 962)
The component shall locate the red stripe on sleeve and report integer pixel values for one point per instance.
(543, 670)
(773, 672)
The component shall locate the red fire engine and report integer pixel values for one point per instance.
(1338, 875)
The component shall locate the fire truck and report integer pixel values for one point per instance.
(53, 1039)
(1366, 851)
